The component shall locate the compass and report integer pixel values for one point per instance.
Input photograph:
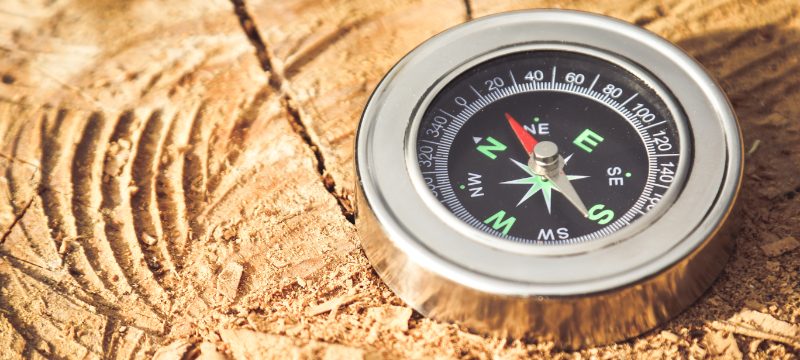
(548, 174)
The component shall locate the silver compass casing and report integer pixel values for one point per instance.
(587, 294)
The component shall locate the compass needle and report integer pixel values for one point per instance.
(546, 162)
(464, 234)
(563, 185)
(527, 141)
(547, 184)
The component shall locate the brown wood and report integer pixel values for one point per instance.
(163, 195)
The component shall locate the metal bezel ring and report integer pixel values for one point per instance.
(583, 297)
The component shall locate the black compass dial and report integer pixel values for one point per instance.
(614, 134)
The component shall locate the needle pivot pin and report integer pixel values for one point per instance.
(545, 159)
(545, 153)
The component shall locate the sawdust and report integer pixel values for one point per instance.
(670, 336)
(760, 326)
(722, 345)
(780, 247)
(247, 344)
(11, 342)
(330, 305)
(176, 350)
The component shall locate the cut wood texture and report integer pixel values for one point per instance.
(177, 177)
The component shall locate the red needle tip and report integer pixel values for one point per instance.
(524, 137)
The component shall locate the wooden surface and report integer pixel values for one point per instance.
(177, 178)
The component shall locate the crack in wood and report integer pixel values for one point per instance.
(468, 9)
(83, 294)
(327, 180)
(17, 219)
(18, 160)
(109, 309)
(278, 82)
(23, 260)
(262, 52)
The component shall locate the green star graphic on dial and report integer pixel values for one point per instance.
(537, 183)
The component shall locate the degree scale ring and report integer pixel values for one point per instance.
(554, 86)
(577, 294)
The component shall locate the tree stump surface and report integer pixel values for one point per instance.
(177, 179)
